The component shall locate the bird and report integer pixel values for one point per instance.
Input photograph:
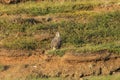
(56, 41)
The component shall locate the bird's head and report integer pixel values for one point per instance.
(57, 34)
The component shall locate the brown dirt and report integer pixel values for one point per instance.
(71, 65)
(107, 7)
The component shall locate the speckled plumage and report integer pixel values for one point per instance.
(56, 42)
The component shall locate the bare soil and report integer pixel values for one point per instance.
(71, 65)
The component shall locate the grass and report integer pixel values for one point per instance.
(103, 29)
(82, 29)
(105, 77)
(47, 7)
(108, 77)
(21, 43)
(42, 9)
(59, 52)
(113, 47)
(2, 67)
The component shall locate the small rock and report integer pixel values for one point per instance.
(35, 66)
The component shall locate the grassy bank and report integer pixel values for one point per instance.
(81, 28)
(108, 77)
(48, 7)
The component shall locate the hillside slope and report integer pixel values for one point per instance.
(90, 32)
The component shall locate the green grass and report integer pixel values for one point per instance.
(59, 52)
(99, 31)
(20, 43)
(108, 77)
(47, 7)
(103, 29)
(105, 77)
(2, 67)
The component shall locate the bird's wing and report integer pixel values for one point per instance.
(54, 42)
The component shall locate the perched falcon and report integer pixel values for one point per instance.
(56, 41)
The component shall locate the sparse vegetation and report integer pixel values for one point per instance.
(21, 43)
(48, 7)
(60, 52)
(85, 26)
(1, 68)
(45, 79)
(103, 29)
(108, 77)
(43, 8)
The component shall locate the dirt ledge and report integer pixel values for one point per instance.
(69, 66)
